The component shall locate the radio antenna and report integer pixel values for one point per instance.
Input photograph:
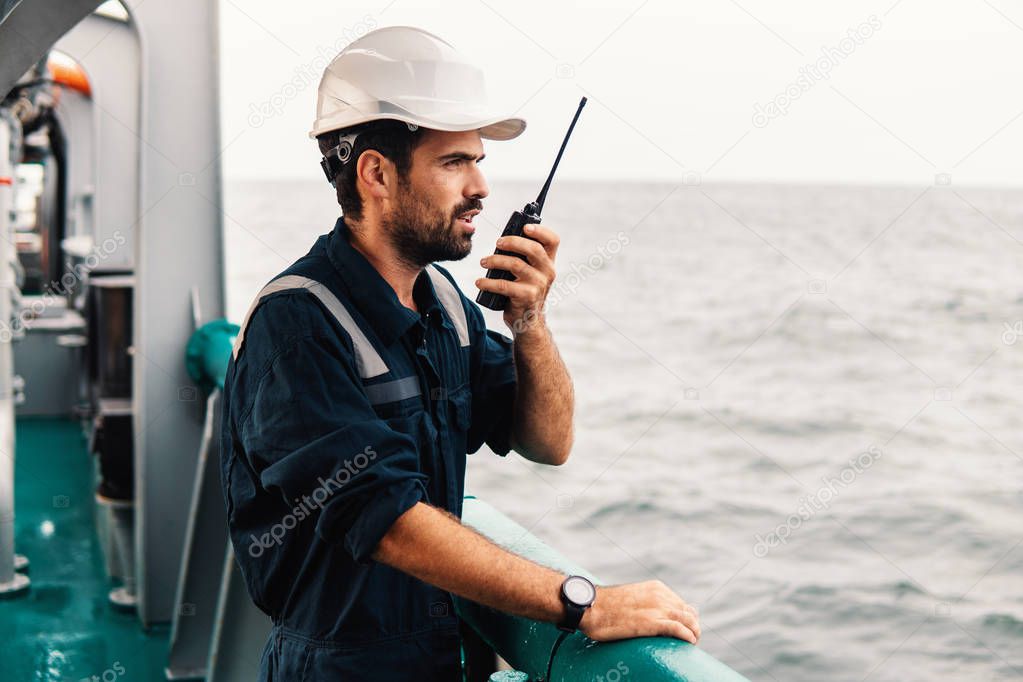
(547, 185)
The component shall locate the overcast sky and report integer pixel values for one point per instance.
(869, 92)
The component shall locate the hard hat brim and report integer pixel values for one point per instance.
(505, 129)
(493, 127)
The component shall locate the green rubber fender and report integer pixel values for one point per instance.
(208, 352)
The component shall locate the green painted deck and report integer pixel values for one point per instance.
(63, 628)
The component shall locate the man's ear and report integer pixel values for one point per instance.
(376, 174)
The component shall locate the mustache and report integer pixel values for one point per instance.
(472, 204)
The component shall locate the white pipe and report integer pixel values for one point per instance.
(10, 581)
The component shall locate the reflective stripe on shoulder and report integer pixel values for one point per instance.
(369, 362)
(449, 297)
(393, 391)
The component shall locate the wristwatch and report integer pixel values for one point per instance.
(577, 594)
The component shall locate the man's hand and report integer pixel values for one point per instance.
(533, 277)
(646, 609)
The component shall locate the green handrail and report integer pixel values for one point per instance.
(527, 644)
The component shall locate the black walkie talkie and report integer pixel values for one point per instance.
(518, 220)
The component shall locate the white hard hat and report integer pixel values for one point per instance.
(407, 74)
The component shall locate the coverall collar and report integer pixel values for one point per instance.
(373, 296)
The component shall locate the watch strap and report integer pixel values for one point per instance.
(572, 617)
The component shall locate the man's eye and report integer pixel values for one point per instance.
(453, 162)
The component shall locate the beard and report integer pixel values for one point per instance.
(422, 234)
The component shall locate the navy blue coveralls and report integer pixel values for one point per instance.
(321, 452)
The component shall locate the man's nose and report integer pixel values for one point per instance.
(478, 185)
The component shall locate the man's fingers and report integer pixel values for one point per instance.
(671, 597)
(545, 235)
(515, 265)
(687, 618)
(527, 247)
(673, 628)
(695, 627)
(514, 290)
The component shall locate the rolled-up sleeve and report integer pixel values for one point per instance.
(493, 387)
(312, 435)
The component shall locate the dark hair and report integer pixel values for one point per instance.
(392, 139)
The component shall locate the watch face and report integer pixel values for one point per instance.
(579, 590)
